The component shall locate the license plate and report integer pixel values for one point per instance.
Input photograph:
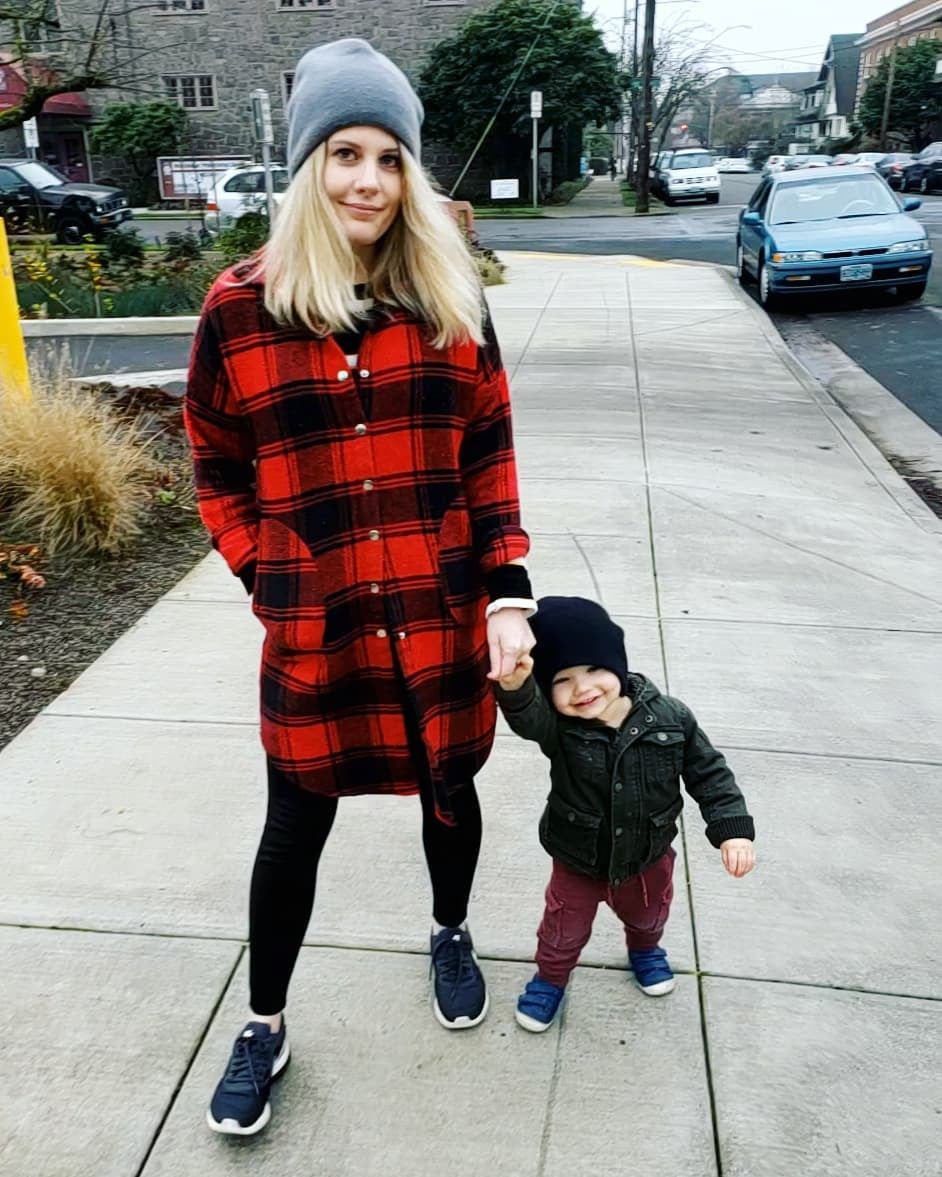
(695, 191)
(856, 273)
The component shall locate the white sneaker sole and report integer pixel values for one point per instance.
(661, 989)
(461, 1023)
(534, 1025)
(230, 1127)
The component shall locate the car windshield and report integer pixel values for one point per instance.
(693, 159)
(825, 200)
(40, 175)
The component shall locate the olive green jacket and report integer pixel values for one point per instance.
(615, 794)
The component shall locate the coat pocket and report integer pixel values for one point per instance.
(288, 599)
(662, 755)
(663, 829)
(570, 834)
(457, 565)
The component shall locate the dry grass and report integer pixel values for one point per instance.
(75, 475)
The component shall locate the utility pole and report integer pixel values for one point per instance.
(633, 110)
(891, 73)
(647, 110)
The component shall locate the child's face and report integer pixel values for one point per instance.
(587, 692)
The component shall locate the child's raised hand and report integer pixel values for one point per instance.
(739, 856)
(521, 672)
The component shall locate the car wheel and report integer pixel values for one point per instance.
(742, 276)
(70, 230)
(910, 293)
(766, 294)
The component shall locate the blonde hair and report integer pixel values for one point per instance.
(422, 263)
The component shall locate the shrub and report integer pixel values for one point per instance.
(245, 237)
(183, 247)
(74, 475)
(125, 246)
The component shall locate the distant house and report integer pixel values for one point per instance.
(828, 103)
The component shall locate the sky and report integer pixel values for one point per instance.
(784, 35)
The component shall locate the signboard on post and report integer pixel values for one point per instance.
(536, 113)
(188, 177)
(30, 134)
(536, 104)
(505, 189)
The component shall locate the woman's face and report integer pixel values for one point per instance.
(363, 181)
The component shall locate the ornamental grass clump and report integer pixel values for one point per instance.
(75, 476)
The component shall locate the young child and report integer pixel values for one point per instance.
(617, 749)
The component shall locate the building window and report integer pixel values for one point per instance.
(294, 5)
(192, 91)
(287, 85)
(443, 3)
(181, 6)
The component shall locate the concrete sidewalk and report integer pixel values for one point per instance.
(771, 569)
(600, 198)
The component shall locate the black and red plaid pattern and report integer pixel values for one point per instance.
(372, 536)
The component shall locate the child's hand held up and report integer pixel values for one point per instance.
(521, 672)
(739, 856)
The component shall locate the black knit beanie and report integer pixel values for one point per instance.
(571, 631)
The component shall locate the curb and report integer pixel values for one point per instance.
(867, 443)
(142, 325)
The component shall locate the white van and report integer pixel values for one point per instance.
(688, 173)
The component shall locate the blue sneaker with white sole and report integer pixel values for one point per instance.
(538, 1005)
(240, 1104)
(653, 975)
(460, 996)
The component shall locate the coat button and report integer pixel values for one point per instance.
(368, 484)
(343, 374)
(364, 372)
(633, 731)
(374, 588)
(374, 535)
(617, 786)
(572, 817)
(359, 430)
(401, 636)
(649, 719)
(381, 633)
(618, 831)
(617, 882)
(662, 736)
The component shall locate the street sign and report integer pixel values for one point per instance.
(30, 133)
(182, 177)
(536, 104)
(261, 117)
(505, 189)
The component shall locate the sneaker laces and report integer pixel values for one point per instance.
(248, 1063)
(453, 962)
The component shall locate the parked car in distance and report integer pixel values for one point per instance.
(774, 164)
(892, 166)
(826, 230)
(793, 162)
(923, 173)
(687, 174)
(242, 190)
(734, 165)
(36, 198)
(871, 158)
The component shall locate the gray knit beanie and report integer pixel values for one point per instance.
(348, 84)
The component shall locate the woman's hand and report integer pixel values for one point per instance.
(509, 638)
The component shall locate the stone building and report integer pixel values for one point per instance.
(918, 20)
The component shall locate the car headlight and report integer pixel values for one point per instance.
(808, 255)
(99, 208)
(909, 246)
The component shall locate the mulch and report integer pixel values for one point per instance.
(49, 636)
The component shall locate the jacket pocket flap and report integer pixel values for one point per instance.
(666, 738)
(574, 817)
(668, 816)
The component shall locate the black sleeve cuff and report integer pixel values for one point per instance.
(247, 576)
(508, 580)
(741, 826)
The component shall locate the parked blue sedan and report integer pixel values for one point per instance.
(831, 229)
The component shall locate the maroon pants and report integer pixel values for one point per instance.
(642, 903)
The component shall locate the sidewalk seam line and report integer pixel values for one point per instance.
(704, 1037)
(539, 319)
(189, 1065)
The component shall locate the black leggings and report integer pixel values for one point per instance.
(285, 875)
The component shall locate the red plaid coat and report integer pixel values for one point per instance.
(371, 537)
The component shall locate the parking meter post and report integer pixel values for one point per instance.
(269, 185)
(536, 113)
(14, 372)
(265, 138)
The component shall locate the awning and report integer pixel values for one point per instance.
(12, 89)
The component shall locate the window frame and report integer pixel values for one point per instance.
(303, 6)
(166, 8)
(178, 97)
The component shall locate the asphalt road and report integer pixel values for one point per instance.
(900, 346)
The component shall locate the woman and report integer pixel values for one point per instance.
(350, 425)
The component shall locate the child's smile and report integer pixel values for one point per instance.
(590, 692)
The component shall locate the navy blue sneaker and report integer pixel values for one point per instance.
(538, 1005)
(653, 975)
(240, 1104)
(460, 1000)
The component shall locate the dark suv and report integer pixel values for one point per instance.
(36, 198)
